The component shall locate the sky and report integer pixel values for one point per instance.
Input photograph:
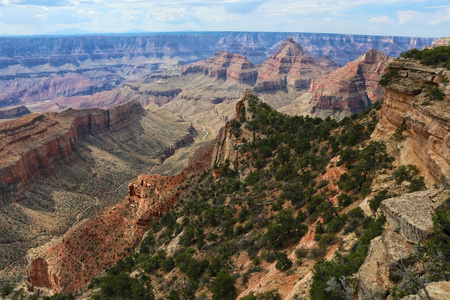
(420, 18)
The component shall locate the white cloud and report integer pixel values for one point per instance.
(380, 20)
(432, 16)
(410, 15)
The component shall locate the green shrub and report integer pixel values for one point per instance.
(7, 289)
(436, 94)
(403, 173)
(301, 253)
(223, 286)
(375, 203)
(388, 77)
(283, 262)
(417, 184)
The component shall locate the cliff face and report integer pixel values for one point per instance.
(58, 169)
(292, 67)
(37, 143)
(424, 122)
(351, 88)
(66, 265)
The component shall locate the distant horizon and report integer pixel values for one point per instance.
(408, 18)
(140, 32)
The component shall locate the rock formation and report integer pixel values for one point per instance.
(444, 41)
(226, 151)
(291, 67)
(411, 214)
(56, 169)
(224, 65)
(409, 219)
(384, 253)
(423, 123)
(34, 69)
(351, 88)
(65, 264)
(12, 112)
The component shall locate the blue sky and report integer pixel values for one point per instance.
(425, 18)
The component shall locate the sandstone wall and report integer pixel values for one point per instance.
(426, 122)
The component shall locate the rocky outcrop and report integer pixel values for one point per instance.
(409, 219)
(384, 253)
(66, 264)
(425, 122)
(439, 290)
(224, 65)
(351, 88)
(291, 67)
(13, 112)
(37, 143)
(226, 152)
(411, 214)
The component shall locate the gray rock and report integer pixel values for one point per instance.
(411, 214)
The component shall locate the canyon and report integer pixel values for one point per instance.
(69, 183)
(56, 169)
(290, 81)
(37, 69)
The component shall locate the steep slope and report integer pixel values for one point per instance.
(202, 235)
(57, 169)
(351, 88)
(282, 190)
(113, 234)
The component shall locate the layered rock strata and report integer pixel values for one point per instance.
(291, 67)
(224, 65)
(351, 88)
(65, 264)
(408, 107)
(411, 214)
(37, 143)
(226, 152)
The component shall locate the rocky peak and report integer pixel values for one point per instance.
(291, 68)
(225, 150)
(373, 56)
(290, 48)
(351, 88)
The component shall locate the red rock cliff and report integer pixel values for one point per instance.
(69, 263)
(291, 67)
(36, 143)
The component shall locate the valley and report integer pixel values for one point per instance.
(204, 173)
